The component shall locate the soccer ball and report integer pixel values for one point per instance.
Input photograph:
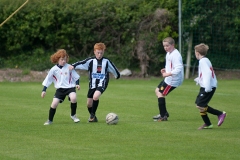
(112, 118)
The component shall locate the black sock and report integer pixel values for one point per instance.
(94, 107)
(89, 109)
(52, 112)
(206, 119)
(213, 111)
(73, 108)
(162, 106)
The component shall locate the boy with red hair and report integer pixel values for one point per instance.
(98, 68)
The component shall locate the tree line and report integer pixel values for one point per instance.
(132, 30)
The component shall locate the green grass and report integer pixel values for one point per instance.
(136, 136)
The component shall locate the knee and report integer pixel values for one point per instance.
(89, 105)
(73, 99)
(156, 90)
(202, 110)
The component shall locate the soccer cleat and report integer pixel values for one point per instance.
(204, 126)
(221, 118)
(48, 122)
(75, 119)
(158, 116)
(93, 119)
(160, 119)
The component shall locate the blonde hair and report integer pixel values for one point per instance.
(170, 40)
(201, 49)
(99, 46)
(61, 53)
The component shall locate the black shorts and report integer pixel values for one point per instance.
(92, 91)
(203, 97)
(61, 93)
(164, 88)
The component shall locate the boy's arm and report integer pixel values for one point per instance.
(206, 77)
(76, 78)
(177, 65)
(47, 82)
(82, 64)
(113, 70)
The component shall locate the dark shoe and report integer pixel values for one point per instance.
(160, 119)
(93, 119)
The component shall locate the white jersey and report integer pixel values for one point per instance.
(206, 76)
(174, 65)
(61, 77)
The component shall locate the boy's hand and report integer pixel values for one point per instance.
(208, 90)
(43, 94)
(70, 67)
(163, 71)
(164, 74)
(196, 80)
(78, 87)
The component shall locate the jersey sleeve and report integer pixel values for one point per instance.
(207, 75)
(177, 65)
(83, 65)
(113, 70)
(49, 79)
(75, 76)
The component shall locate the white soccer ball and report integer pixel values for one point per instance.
(112, 118)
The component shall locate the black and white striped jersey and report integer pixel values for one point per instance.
(98, 70)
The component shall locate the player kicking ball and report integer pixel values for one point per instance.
(98, 68)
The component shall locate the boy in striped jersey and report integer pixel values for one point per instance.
(98, 68)
(65, 82)
(208, 84)
(173, 77)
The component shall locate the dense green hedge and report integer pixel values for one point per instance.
(42, 27)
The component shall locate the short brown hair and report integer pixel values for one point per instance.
(99, 46)
(202, 49)
(170, 40)
(61, 53)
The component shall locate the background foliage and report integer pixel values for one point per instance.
(216, 23)
(42, 27)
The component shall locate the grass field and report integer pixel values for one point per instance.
(136, 136)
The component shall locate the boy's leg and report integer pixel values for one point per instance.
(73, 108)
(53, 108)
(73, 112)
(95, 104)
(90, 100)
(94, 107)
(52, 111)
(73, 100)
(161, 91)
(205, 117)
(162, 106)
(202, 101)
(213, 111)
